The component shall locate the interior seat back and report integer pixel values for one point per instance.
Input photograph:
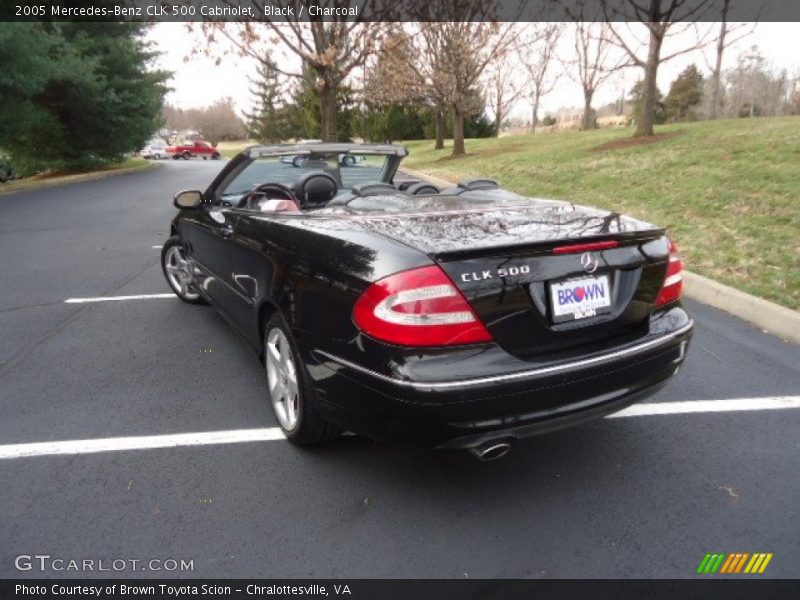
(315, 190)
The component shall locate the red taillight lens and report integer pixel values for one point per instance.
(591, 246)
(420, 307)
(673, 280)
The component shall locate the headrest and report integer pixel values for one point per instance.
(374, 189)
(315, 189)
(422, 188)
(477, 184)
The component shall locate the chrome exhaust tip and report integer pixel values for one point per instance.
(491, 450)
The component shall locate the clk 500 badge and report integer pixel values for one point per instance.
(501, 272)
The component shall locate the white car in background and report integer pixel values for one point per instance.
(155, 148)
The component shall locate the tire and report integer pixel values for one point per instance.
(186, 155)
(215, 156)
(176, 156)
(177, 274)
(287, 377)
(348, 161)
(297, 161)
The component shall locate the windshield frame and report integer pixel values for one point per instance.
(393, 153)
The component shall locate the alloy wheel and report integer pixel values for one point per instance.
(179, 273)
(284, 390)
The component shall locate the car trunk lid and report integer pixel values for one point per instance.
(545, 277)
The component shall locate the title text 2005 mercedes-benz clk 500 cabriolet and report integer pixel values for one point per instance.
(461, 318)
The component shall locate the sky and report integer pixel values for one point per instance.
(198, 81)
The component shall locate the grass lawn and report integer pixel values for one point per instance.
(231, 149)
(59, 178)
(728, 190)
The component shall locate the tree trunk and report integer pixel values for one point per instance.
(535, 112)
(458, 132)
(644, 125)
(327, 98)
(587, 121)
(717, 75)
(498, 116)
(439, 130)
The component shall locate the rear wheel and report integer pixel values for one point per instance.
(187, 155)
(178, 271)
(290, 389)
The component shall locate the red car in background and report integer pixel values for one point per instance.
(192, 148)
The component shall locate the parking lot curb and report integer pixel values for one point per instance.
(768, 316)
(773, 318)
(81, 177)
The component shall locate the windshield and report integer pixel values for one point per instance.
(346, 169)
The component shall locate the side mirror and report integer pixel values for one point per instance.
(188, 199)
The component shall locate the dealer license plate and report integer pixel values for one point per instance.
(580, 298)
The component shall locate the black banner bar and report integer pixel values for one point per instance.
(408, 589)
(384, 10)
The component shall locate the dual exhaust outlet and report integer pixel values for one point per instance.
(491, 450)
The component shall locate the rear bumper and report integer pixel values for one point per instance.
(464, 412)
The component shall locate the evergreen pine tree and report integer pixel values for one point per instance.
(685, 95)
(267, 122)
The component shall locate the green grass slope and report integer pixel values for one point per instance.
(728, 190)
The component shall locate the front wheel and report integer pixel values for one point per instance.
(215, 156)
(290, 389)
(178, 271)
(186, 156)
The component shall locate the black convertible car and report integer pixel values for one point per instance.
(466, 318)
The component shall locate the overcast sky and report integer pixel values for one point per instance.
(198, 81)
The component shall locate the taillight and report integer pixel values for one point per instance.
(591, 246)
(420, 307)
(673, 280)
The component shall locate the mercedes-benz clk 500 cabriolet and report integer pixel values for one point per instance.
(463, 318)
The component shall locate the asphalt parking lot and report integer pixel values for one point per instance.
(630, 497)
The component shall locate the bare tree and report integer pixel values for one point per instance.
(331, 49)
(392, 76)
(537, 54)
(215, 123)
(450, 57)
(593, 61)
(504, 90)
(756, 88)
(660, 19)
(728, 35)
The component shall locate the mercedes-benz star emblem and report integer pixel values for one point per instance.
(589, 262)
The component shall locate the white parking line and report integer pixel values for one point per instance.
(144, 442)
(116, 298)
(708, 406)
(268, 434)
(158, 246)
